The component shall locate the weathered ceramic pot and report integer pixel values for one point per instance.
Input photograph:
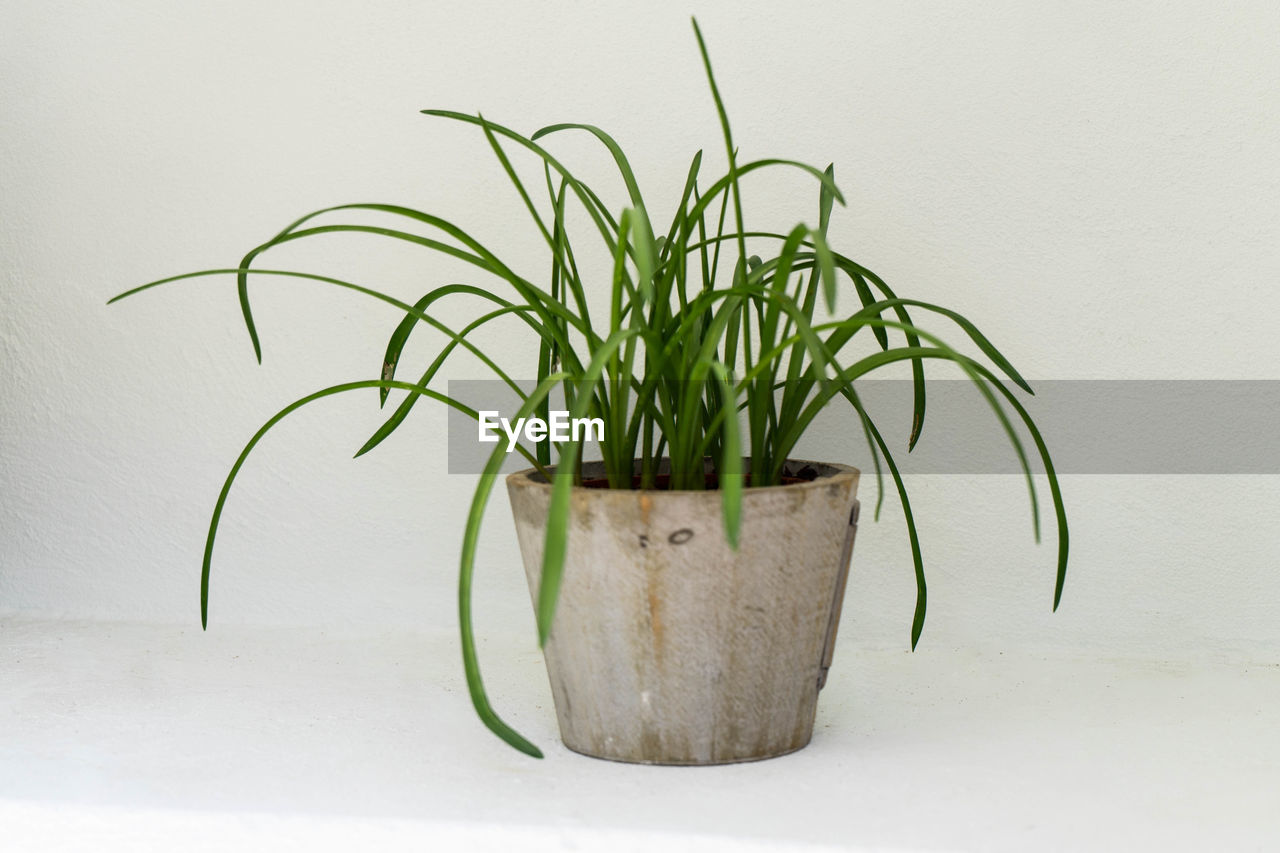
(668, 647)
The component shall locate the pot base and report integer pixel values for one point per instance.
(660, 762)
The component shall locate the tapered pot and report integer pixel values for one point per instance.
(669, 647)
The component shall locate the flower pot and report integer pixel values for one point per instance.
(669, 647)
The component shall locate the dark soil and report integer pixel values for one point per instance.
(663, 481)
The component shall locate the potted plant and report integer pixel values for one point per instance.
(688, 583)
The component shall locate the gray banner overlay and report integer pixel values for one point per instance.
(1090, 426)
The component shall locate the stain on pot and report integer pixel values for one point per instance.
(646, 507)
(681, 536)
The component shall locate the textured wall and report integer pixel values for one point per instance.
(1097, 184)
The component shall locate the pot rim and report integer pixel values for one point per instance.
(836, 472)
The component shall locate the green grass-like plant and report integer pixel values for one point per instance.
(680, 362)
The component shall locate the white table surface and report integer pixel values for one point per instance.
(119, 736)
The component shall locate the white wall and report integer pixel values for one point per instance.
(1097, 184)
